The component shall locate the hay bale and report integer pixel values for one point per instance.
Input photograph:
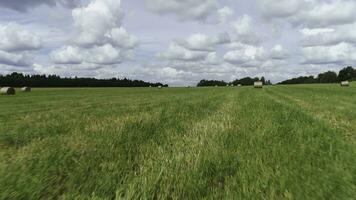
(216, 86)
(345, 84)
(7, 91)
(239, 85)
(232, 85)
(159, 87)
(26, 89)
(258, 84)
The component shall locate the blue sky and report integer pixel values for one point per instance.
(177, 42)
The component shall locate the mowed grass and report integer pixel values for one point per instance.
(280, 142)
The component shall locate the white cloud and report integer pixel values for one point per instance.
(202, 42)
(281, 39)
(120, 38)
(67, 55)
(250, 56)
(196, 50)
(246, 56)
(24, 5)
(278, 52)
(177, 52)
(280, 8)
(334, 12)
(213, 59)
(96, 21)
(17, 45)
(100, 38)
(171, 72)
(185, 10)
(166, 74)
(342, 53)
(315, 31)
(106, 55)
(244, 31)
(83, 70)
(310, 13)
(329, 36)
(15, 59)
(13, 37)
(224, 14)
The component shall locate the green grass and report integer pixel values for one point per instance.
(280, 142)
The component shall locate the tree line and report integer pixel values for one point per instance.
(346, 74)
(19, 80)
(244, 81)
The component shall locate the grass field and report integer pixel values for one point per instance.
(280, 142)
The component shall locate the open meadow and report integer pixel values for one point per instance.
(279, 142)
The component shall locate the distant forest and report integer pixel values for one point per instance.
(346, 74)
(20, 80)
(243, 81)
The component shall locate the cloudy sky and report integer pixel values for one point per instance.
(178, 42)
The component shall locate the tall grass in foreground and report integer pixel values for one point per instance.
(285, 142)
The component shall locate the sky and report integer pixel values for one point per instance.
(178, 42)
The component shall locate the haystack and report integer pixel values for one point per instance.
(239, 85)
(7, 91)
(159, 87)
(26, 89)
(258, 84)
(345, 84)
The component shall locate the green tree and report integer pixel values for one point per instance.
(263, 80)
(327, 77)
(346, 74)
